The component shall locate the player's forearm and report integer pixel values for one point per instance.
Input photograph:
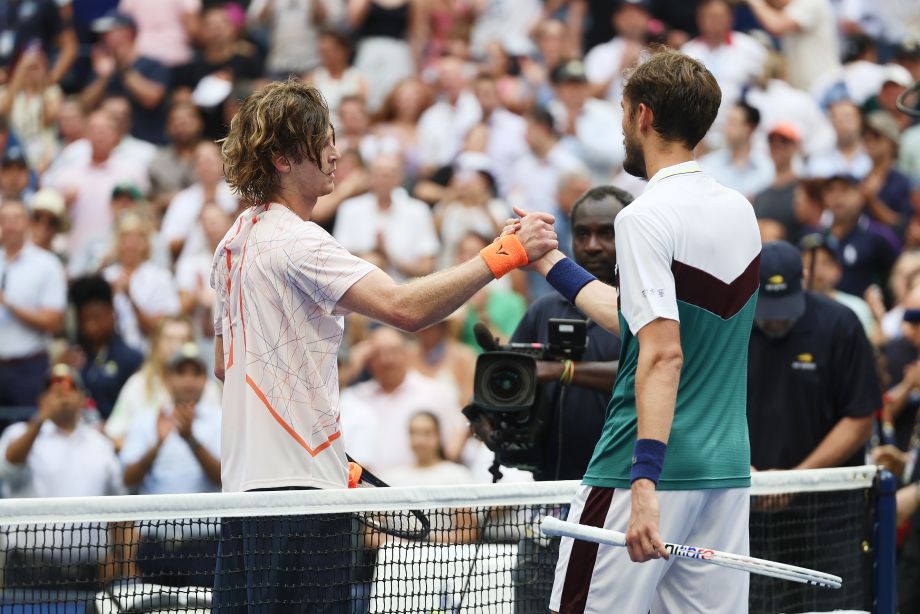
(846, 438)
(657, 379)
(596, 300)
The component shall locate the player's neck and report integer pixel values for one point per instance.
(664, 155)
(300, 205)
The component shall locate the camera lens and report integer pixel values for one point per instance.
(505, 383)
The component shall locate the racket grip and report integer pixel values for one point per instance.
(560, 528)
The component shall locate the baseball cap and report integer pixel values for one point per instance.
(895, 73)
(14, 155)
(50, 200)
(113, 19)
(126, 188)
(787, 130)
(187, 353)
(885, 124)
(781, 295)
(820, 240)
(848, 178)
(64, 372)
(573, 70)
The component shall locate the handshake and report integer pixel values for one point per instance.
(527, 240)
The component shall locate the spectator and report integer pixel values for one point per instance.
(442, 126)
(777, 202)
(146, 390)
(821, 263)
(393, 395)
(171, 169)
(71, 122)
(807, 34)
(535, 177)
(41, 25)
(738, 165)
(887, 190)
(47, 220)
(438, 354)
(33, 296)
(176, 448)
(389, 43)
(859, 79)
(848, 156)
(812, 394)
(895, 82)
(144, 293)
(902, 358)
(868, 249)
(104, 360)
(779, 102)
(57, 454)
(14, 175)
(221, 61)
(180, 228)
(87, 187)
(398, 121)
(388, 225)
(32, 104)
(119, 68)
(553, 50)
(469, 205)
(193, 272)
(336, 78)
(293, 34)
(904, 276)
(809, 205)
(350, 181)
(589, 127)
(429, 466)
(734, 58)
(137, 150)
(500, 21)
(506, 141)
(571, 188)
(353, 131)
(606, 63)
(166, 30)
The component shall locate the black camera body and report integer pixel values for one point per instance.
(506, 413)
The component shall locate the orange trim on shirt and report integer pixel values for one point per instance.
(287, 427)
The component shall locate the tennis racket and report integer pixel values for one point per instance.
(555, 527)
(406, 524)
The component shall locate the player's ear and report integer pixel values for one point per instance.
(282, 164)
(644, 117)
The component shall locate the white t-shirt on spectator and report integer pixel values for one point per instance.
(175, 469)
(34, 279)
(395, 409)
(151, 289)
(780, 102)
(443, 126)
(834, 163)
(814, 49)
(78, 464)
(604, 63)
(598, 138)
(278, 281)
(135, 399)
(443, 473)
(535, 180)
(407, 227)
(181, 218)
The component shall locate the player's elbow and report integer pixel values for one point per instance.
(668, 357)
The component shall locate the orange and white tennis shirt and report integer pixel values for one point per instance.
(278, 280)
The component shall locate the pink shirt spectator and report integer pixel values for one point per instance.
(162, 34)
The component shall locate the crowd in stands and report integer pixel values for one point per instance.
(447, 113)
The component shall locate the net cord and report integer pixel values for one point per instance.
(292, 503)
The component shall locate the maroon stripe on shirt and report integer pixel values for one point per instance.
(584, 554)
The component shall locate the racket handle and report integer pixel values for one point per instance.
(561, 528)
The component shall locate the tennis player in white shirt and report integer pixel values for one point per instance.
(283, 285)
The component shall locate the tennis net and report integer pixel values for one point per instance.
(471, 549)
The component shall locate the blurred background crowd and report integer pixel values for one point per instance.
(447, 113)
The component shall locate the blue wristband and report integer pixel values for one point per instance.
(568, 279)
(648, 459)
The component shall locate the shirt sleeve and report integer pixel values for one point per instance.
(54, 290)
(14, 475)
(323, 270)
(644, 253)
(218, 283)
(856, 388)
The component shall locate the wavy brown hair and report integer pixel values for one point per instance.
(284, 119)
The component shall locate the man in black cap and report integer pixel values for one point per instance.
(812, 392)
(119, 69)
(14, 175)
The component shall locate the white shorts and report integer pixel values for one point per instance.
(592, 578)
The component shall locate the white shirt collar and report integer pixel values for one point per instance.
(684, 168)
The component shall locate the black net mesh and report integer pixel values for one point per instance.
(473, 559)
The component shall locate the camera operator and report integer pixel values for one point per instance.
(578, 409)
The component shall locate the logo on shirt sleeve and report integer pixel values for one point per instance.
(652, 292)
